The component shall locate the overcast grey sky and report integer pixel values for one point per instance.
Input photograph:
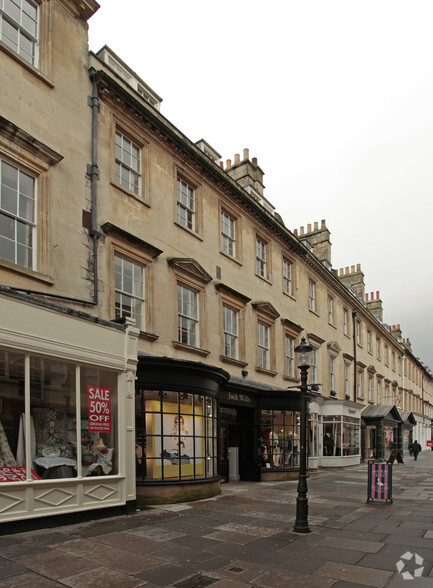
(333, 97)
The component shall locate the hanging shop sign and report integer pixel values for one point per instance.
(99, 409)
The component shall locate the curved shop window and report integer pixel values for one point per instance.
(340, 436)
(176, 436)
(57, 419)
(279, 439)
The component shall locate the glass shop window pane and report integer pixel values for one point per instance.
(99, 410)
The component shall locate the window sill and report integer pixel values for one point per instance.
(190, 231)
(332, 325)
(292, 379)
(31, 68)
(233, 361)
(190, 348)
(148, 336)
(266, 371)
(27, 272)
(264, 278)
(130, 193)
(314, 312)
(231, 257)
(289, 295)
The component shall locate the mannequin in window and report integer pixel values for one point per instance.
(328, 445)
(273, 445)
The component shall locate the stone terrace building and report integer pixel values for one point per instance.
(153, 297)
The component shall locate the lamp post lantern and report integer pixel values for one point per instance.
(303, 351)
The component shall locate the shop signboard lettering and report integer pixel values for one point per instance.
(15, 474)
(429, 443)
(99, 409)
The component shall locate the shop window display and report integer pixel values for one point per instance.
(340, 436)
(39, 405)
(279, 439)
(176, 436)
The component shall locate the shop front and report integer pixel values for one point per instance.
(383, 427)
(176, 428)
(405, 433)
(66, 391)
(335, 427)
(263, 441)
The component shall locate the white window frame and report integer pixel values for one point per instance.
(313, 367)
(347, 367)
(368, 341)
(263, 345)
(136, 293)
(231, 332)
(127, 172)
(358, 333)
(386, 359)
(261, 257)
(16, 219)
(17, 23)
(287, 277)
(378, 350)
(186, 204)
(332, 373)
(359, 391)
(370, 388)
(188, 331)
(330, 310)
(345, 321)
(312, 303)
(228, 233)
(289, 356)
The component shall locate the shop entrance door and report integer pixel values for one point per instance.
(239, 458)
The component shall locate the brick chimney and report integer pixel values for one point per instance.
(353, 278)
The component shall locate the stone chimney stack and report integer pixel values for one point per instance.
(319, 239)
(374, 305)
(407, 344)
(246, 173)
(396, 333)
(353, 278)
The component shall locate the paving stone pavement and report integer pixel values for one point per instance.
(244, 537)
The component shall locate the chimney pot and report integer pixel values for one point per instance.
(228, 163)
(295, 232)
(352, 269)
(377, 294)
(323, 224)
(254, 160)
(366, 297)
(246, 153)
(222, 164)
(346, 270)
(309, 228)
(358, 267)
(316, 226)
(237, 158)
(302, 230)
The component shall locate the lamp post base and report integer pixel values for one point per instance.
(301, 522)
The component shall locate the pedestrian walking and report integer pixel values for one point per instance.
(416, 448)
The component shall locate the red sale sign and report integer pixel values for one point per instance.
(429, 443)
(16, 474)
(99, 409)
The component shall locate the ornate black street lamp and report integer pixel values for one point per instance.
(303, 351)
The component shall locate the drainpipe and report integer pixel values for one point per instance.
(354, 314)
(93, 172)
